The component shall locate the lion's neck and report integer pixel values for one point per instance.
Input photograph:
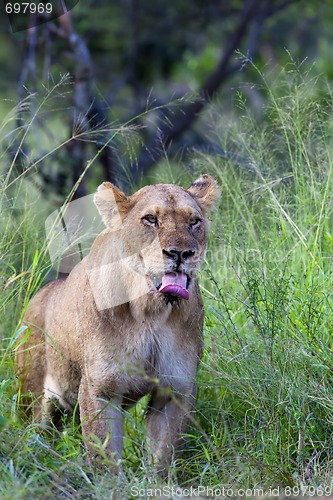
(148, 307)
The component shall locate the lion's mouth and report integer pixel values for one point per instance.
(175, 283)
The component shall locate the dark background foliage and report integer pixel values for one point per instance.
(156, 65)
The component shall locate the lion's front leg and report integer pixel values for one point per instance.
(104, 419)
(167, 421)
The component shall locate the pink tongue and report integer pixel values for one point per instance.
(175, 284)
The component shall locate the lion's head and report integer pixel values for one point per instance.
(155, 238)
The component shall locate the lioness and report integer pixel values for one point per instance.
(126, 322)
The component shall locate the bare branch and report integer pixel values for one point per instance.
(252, 19)
(182, 120)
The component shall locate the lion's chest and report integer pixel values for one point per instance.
(141, 355)
(162, 358)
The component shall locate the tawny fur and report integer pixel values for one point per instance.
(106, 359)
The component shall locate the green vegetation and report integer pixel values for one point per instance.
(265, 403)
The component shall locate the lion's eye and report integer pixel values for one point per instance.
(194, 221)
(152, 219)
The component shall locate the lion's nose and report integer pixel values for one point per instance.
(178, 255)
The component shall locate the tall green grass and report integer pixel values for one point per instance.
(268, 287)
(265, 406)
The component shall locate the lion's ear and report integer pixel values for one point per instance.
(205, 191)
(111, 203)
